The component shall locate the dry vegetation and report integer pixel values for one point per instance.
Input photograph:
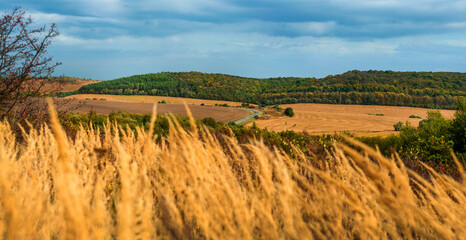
(359, 119)
(125, 186)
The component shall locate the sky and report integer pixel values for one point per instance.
(107, 39)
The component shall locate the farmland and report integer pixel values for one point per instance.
(359, 119)
(309, 117)
(151, 99)
(220, 114)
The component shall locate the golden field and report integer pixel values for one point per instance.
(122, 185)
(359, 119)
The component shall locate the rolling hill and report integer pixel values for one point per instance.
(417, 89)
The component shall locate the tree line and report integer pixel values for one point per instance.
(417, 89)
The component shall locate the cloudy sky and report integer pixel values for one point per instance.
(106, 39)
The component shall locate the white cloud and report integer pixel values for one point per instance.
(184, 6)
(100, 7)
(45, 18)
(312, 27)
(456, 25)
(212, 44)
(417, 5)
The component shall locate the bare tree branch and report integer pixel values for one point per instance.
(24, 64)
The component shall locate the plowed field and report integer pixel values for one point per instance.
(221, 114)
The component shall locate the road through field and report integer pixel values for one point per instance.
(247, 118)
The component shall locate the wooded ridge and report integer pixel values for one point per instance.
(418, 89)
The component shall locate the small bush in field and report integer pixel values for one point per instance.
(289, 112)
(415, 116)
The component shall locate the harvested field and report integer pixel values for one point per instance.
(152, 99)
(358, 119)
(221, 114)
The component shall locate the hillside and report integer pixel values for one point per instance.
(65, 84)
(417, 89)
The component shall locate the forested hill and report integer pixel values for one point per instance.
(420, 89)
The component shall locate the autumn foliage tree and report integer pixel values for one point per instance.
(24, 64)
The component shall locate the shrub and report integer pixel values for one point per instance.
(398, 126)
(414, 116)
(458, 127)
(208, 121)
(289, 112)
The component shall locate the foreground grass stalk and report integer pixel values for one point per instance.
(122, 185)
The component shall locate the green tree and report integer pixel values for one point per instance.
(434, 125)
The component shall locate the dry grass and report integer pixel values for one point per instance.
(122, 186)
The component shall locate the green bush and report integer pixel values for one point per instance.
(398, 126)
(458, 127)
(289, 112)
(414, 116)
(208, 121)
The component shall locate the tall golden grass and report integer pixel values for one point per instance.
(122, 185)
